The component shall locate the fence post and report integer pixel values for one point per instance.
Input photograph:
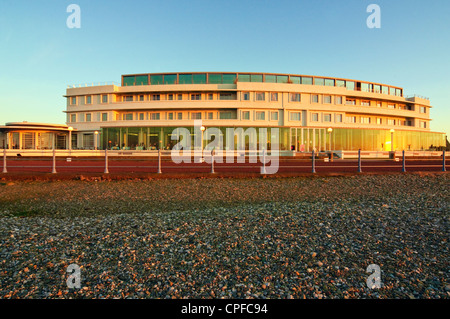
(313, 162)
(403, 162)
(54, 162)
(212, 161)
(4, 161)
(106, 161)
(443, 161)
(159, 161)
(264, 162)
(359, 161)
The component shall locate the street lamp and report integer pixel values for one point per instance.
(202, 128)
(331, 152)
(70, 137)
(392, 139)
(95, 139)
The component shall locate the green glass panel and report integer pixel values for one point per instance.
(199, 78)
(295, 79)
(244, 77)
(282, 78)
(256, 78)
(350, 85)
(271, 79)
(142, 80)
(307, 80)
(364, 87)
(128, 80)
(329, 82)
(170, 79)
(185, 78)
(215, 78)
(340, 83)
(156, 79)
(319, 81)
(229, 78)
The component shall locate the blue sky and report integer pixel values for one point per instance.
(40, 55)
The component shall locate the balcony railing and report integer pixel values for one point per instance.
(71, 86)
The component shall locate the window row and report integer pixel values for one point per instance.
(88, 99)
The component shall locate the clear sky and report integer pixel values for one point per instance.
(40, 55)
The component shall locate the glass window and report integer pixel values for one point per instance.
(156, 97)
(196, 115)
(307, 80)
(350, 119)
(104, 117)
(365, 120)
(244, 77)
(377, 88)
(282, 79)
(245, 96)
(229, 78)
(128, 80)
(384, 90)
(365, 103)
(260, 96)
(392, 91)
(170, 79)
(170, 97)
(210, 115)
(295, 97)
(327, 117)
(215, 78)
(73, 118)
(170, 116)
(104, 98)
(274, 116)
(196, 96)
(210, 96)
(180, 97)
(141, 79)
(185, 78)
(364, 87)
(329, 82)
(128, 98)
(199, 78)
(224, 115)
(128, 117)
(350, 102)
(319, 81)
(274, 96)
(423, 109)
(315, 117)
(88, 99)
(338, 99)
(398, 92)
(156, 79)
(180, 115)
(260, 115)
(295, 116)
(227, 96)
(73, 100)
(315, 98)
(256, 78)
(270, 79)
(327, 99)
(379, 121)
(391, 106)
(350, 85)
(338, 118)
(295, 79)
(246, 115)
(340, 83)
(141, 116)
(141, 97)
(154, 116)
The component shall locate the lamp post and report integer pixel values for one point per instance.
(331, 151)
(95, 139)
(202, 129)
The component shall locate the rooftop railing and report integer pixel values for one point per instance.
(71, 86)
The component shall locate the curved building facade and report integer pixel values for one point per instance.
(311, 112)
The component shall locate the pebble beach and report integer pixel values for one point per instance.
(278, 238)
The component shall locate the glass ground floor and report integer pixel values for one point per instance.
(34, 140)
(294, 138)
